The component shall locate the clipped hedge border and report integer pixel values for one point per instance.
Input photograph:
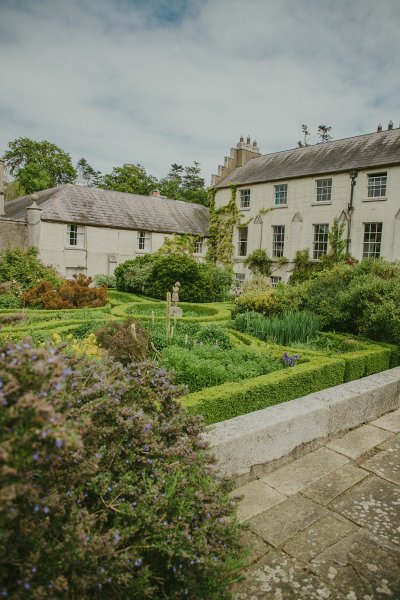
(221, 313)
(233, 399)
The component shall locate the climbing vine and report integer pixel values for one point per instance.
(220, 248)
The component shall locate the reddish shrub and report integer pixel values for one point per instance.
(70, 294)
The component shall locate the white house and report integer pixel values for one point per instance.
(289, 199)
(88, 230)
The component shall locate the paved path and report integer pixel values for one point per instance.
(327, 525)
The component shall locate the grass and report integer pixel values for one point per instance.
(288, 328)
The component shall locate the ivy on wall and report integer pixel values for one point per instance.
(220, 248)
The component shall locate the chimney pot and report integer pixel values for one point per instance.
(254, 144)
(156, 193)
(241, 139)
(390, 125)
(379, 128)
(248, 140)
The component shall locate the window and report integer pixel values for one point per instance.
(242, 241)
(278, 240)
(324, 190)
(377, 185)
(275, 280)
(320, 245)
(240, 277)
(143, 241)
(244, 198)
(198, 247)
(76, 236)
(280, 194)
(372, 240)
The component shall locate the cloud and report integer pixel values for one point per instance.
(157, 82)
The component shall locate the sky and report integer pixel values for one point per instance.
(157, 81)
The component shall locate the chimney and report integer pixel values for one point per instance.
(379, 128)
(390, 125)
(1, 186)
(239, 156)
(156, 193)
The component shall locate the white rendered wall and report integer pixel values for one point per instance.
(302, 200)
(100, 244)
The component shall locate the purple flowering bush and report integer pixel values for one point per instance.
(107, 490)
(289, 361)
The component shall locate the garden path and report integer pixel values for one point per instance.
(327, 525)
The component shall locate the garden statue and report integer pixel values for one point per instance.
(175, 293)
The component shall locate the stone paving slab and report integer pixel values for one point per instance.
(307, 544)
(392, 443)
(385, 464)
(374, 504)
(306, 470)
(335, 532)
(360, 566)
(278, 577)
(257, 497)
(390, 421)
(284, 520)
(358, 441)
(327, 488)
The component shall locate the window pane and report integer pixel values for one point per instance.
(198, 246)
(281, 194)
(320, 245)
(244, 198)
(377, 185)
(278, 240)
(324, 190)
(372, 240)
(242, 241)
(275, 280)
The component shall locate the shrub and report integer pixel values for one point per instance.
(9, 301)
(70, 294)
(24, 267)
(215, 336)
(271, 301)
(126, 342)
(207, 365)
(284, 329)
(155, 275)
(107, 490)
(107, 281)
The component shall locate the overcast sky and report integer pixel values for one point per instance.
(158, 81)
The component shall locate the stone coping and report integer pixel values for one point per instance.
(268, 435)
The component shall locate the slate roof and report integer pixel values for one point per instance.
(372, 150)
(118, 210)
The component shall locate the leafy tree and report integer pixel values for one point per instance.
(38, 165)
(185, 183)
(130, 178)
(13, 189)
(259, 262)
(324, 133)
(91, 177)
(178, 244)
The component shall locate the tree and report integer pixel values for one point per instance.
(185, 183)
(323, 133)
(306, 135)
(259, 262)
(91, 177)
(13, 189)
(130, 178)
(38, 165)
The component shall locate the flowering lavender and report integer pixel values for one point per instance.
(289, 361)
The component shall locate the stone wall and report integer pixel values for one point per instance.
(13, 234)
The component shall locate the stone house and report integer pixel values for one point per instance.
(88, 230)
(289, 199)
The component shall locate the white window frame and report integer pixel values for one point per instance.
(275, 279)
(372, 240)
(280, 194)
(245, 195)
(143, 241)
(198, 246)
(323, 190)
(240, 277)
(75, 236)
(242, 241)
(320, 240)
(377, 185)
(278, 241)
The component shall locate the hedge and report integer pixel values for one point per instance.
(233, 399)
(220, 313)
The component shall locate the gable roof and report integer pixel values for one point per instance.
(372, 150)
(118, 210)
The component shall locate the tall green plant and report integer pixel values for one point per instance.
(288, 328)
